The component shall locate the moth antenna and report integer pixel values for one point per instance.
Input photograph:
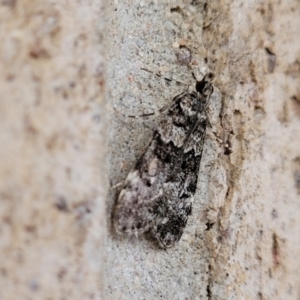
(136, 233)
(143, 115)
(165, 78)
(137, 116)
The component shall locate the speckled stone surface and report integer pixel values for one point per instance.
(52, 154)
(242, 240)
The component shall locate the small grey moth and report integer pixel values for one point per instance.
(158, 193)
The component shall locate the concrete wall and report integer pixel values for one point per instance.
(242, 240)
(52, 149)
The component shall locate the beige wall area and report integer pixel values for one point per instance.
(52, 116)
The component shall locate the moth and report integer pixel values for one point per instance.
(158, 193)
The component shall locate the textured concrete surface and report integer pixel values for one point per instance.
(52, 154)
(242, 241)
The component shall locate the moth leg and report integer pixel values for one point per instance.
(225, 142)
(208, 122)
(117, 185)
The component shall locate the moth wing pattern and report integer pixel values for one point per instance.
(179, 197)
(158, 193)
(136, 208)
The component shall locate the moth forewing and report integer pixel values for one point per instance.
(158, 194)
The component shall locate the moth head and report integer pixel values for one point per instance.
(204, 86)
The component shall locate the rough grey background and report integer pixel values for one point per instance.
(242, 241)
(52, 149)
(147, 35)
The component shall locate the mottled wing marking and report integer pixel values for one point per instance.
(158, 194)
